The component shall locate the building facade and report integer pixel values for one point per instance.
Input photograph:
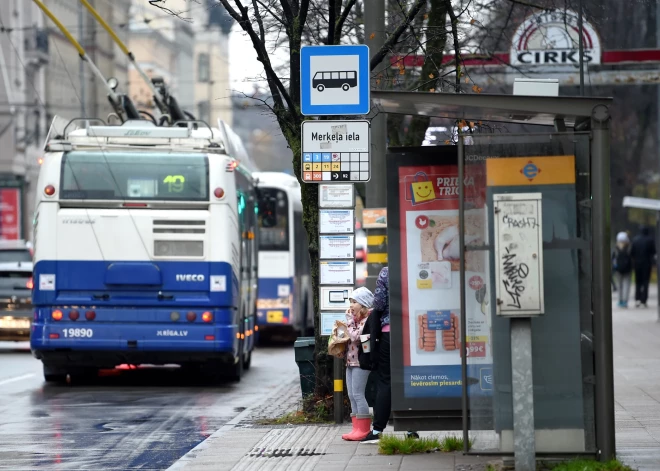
(42, 76)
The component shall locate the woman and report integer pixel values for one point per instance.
(383, 405)
(356, 378)
(623, 266)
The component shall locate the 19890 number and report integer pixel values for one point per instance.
(78, 333)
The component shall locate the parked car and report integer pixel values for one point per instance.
(15, 300)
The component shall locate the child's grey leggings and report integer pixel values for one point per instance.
(356, 383)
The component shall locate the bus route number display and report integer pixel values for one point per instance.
(175, 183)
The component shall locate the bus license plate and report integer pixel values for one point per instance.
(9, 323)
(274, 316)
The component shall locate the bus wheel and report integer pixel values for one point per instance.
(236, 370)
(345, 87)
(320, 87)
(54, 375)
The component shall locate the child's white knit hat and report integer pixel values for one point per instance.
(363, 296)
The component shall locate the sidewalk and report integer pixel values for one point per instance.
(244, 445)
(637, 383)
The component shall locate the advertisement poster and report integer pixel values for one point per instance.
(430, 282)
(10, 213)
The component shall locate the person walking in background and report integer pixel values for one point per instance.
(356, 378)
(383, 405)
(623, 266)
(643, 254)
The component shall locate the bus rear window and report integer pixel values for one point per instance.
(134, 176)
(273, 219)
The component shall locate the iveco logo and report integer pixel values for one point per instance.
(137, 133)
(78, 221)
(189, 277)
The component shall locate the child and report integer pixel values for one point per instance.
(356, 378)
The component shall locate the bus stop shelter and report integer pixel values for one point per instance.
(499, 262)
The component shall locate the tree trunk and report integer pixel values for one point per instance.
(431, 69)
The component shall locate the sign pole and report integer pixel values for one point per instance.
(336, 268)
(519, 288)
(334, 81)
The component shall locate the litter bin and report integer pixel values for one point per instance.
(304, 353)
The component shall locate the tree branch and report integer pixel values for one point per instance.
(457, 46)
(280, 94)
(260, 21)
(332, 20)
(528, 4)
(288, 14)
(342, 18)
(394, 37)
(271, 12)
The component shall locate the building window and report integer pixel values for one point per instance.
(204, 111)
(203, 68)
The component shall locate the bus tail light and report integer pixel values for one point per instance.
(57, 315)
(49, 190)
(74, 315)
(174, 316)
(53, 336)
(207, 317)
(191, 316)
(209, 337)
(90, 315)
(256, 328)
(29, 284)
(219, 193)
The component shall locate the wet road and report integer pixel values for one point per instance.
(140, 419)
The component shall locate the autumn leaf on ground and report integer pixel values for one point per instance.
(472, 21)
(372, 35)
(402, 71)
(447, 142)
(476, 89)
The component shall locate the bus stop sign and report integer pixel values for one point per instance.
(334, 80)
(336, 151)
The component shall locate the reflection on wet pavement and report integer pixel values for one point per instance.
(138, 419)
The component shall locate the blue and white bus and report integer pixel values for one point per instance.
(144, 250)
(285, 298)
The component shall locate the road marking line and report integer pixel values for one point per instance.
(17, 378)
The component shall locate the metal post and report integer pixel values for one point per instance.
(522, 388)
(581, 47)
(461, 271)
(338, 396)
(376, 189)
(81, 64)
(601, 276)
(657, 136)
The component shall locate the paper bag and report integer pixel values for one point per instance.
(421, 188)
(338, 340)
